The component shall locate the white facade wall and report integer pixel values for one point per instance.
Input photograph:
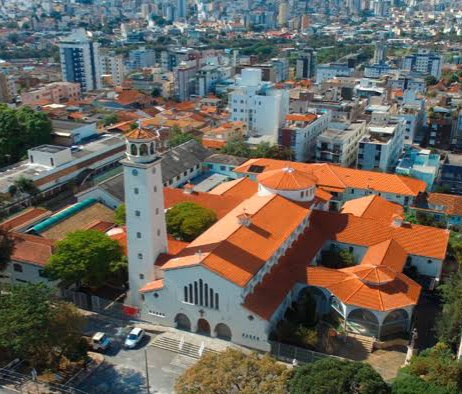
(325, 72)
(162, 310)
(113, 65)
(31, 273)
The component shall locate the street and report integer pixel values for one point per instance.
(124, 370)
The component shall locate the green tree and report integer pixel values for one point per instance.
(237, 147)
(234, 372)
(332, 376)
(177, 137)
(21, 129)
(85, 256)
(6, 247)
(37, 327)
(110, 119)
(187, 220)
(410, 384)
(155, 92)
(120, 215)
(438, 366)
(449, 325)
(23, 188)
(430, 80)
(337, 258)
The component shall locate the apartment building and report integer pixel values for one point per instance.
(52, 93)
(80, 61)
(424, 62)
(112, 65)
(339, 143)
(300, 132)
(381, 147)
(258, 104)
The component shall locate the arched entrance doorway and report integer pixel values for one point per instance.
(364, 322)
(182, 322)
(395, 323)
(223, 331)
(203, 327)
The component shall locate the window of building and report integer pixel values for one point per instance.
(136, 190)
(141, 276)
(52, 162)
(155, 189)
(185, 173)
(17, 267)
(135, 172)
(42, 273)
(138, 235)
(158, 233)
(157, 211)
(137, 213)
(223, 168)
(31, 158)
(140, 256)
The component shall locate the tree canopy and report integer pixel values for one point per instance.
(6, 247)
(438, 367)
(21, 129)
(187, 220)
(86, 256)
(234, 372)
(23, 188)
(120, 215)
(332, 376)
(110, 119)
(449, 325)
(178, 137)
(37, 327)
(237, 146)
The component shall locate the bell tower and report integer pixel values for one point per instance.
(144, 202)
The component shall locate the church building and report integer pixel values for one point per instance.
(237, 279)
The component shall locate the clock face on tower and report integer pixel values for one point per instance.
(135, 172)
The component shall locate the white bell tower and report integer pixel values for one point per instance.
(144, 201)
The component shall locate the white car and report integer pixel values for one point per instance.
(134, 338)
(100, 341)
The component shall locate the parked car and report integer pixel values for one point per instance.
(134, 338)
(100, 341)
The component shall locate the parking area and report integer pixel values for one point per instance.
(124, 370)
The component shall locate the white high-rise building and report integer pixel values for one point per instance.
(145, 217)
(424, 62)
(113, 65)
(258, 104)
(80, 61)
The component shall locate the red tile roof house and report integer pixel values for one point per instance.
(236, 280)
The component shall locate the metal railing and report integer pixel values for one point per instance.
(25, 384)
(289, 353)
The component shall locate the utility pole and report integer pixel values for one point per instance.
(147, 371)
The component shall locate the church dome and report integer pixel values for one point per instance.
(287, 178)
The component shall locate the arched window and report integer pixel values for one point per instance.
(143, 150)
(133, 150)
(195, 293)
(217, 304)
(186, 294)
(200, 293)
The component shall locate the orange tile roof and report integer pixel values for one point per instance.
(387, 253)
(212, 143)
(237, 252)
(348, 288)
(371, 207)
(221, 205)
(32, 249)
(452, 204)
(100, 225)
(29, 215)
(140, 134)
(240, 188)
(302, 117)
(332, 176)
(153, 286)
(287, 178)
(366, 232)
(291, 269)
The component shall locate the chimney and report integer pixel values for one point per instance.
(244, 219)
